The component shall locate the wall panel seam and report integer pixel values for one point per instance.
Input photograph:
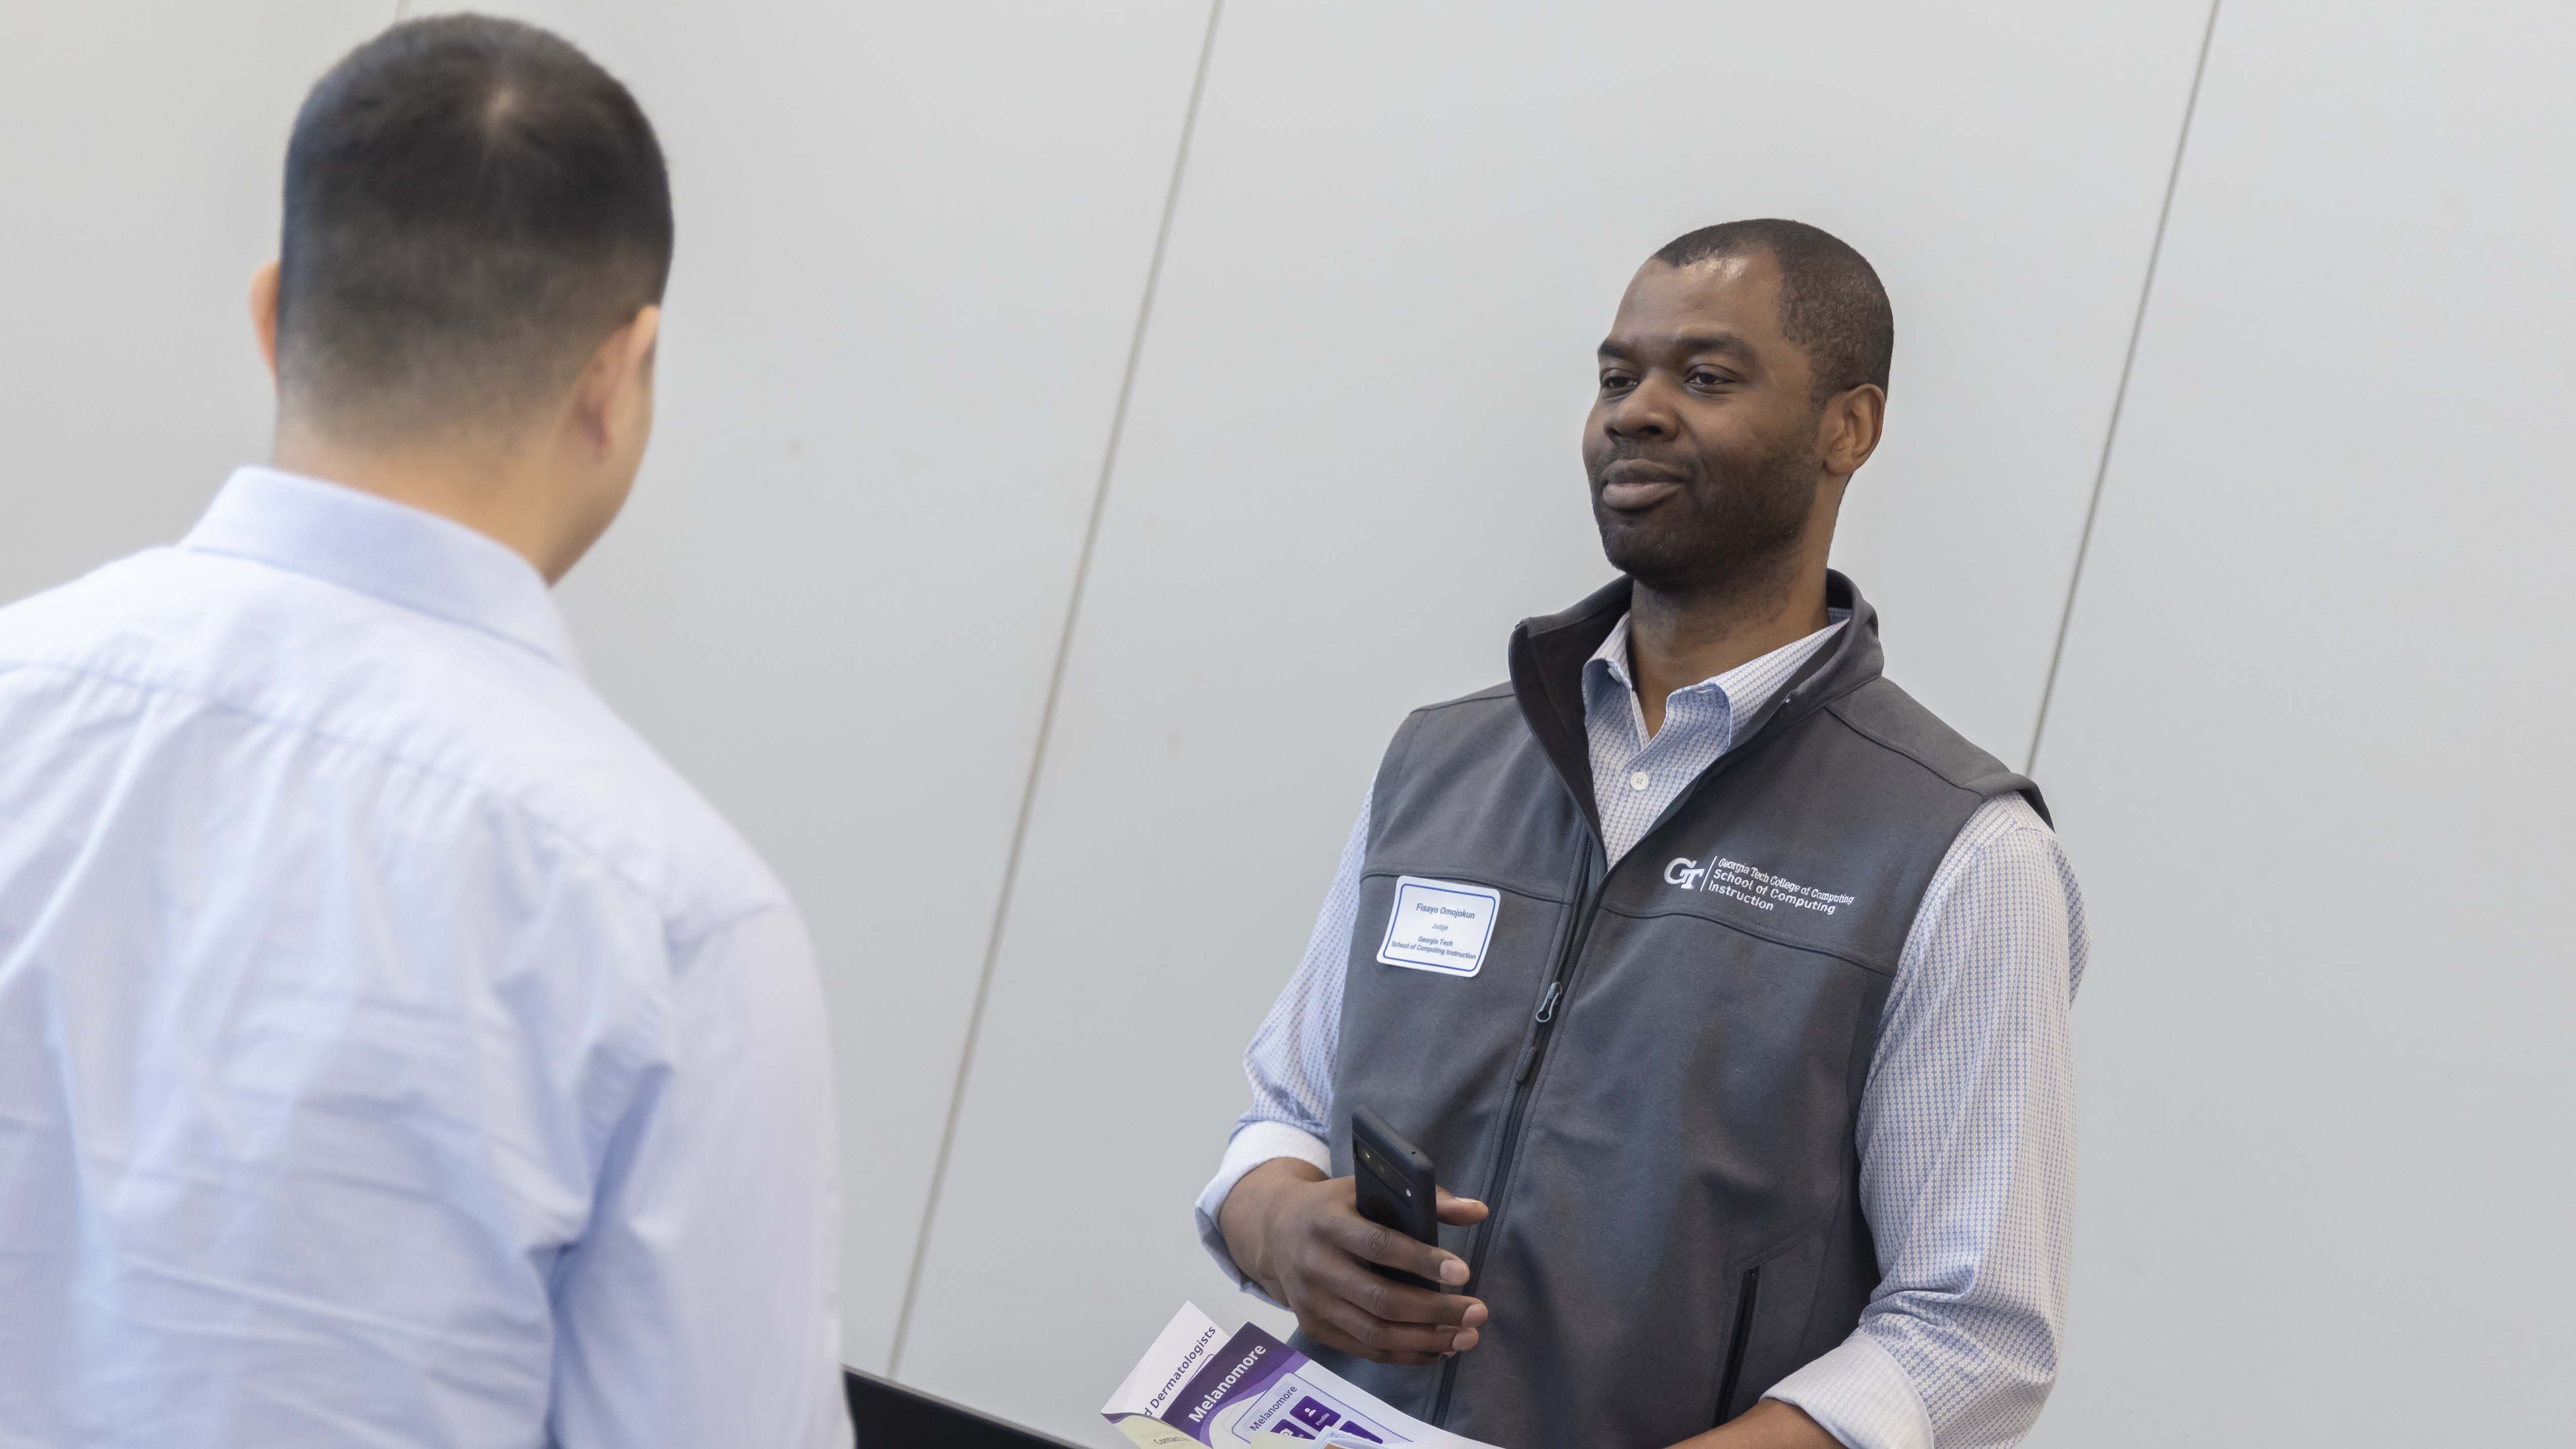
(2120, 394)
(1054, 695)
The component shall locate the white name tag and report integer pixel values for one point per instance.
(1439, 925)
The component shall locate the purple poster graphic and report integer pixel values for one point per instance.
(1251, 1361)
(1251, 1390)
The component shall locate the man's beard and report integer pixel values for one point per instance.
(1735, 534)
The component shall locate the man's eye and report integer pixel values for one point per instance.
(1705, 378)
(1613, 382)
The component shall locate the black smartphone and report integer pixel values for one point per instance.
(1396, 1188)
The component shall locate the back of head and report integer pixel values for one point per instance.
(472, 205)
(1831, 302)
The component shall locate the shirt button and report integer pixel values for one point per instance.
(1638, 781)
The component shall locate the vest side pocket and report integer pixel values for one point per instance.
(1746, 1298)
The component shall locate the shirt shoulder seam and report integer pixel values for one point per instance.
(609, 867)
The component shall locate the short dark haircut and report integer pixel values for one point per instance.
(472, 205)
(1831, 303)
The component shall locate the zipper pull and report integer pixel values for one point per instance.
(1547, 1008)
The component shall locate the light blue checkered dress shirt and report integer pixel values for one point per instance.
(1967, 1124)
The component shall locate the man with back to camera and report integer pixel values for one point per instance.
(1749, 1021)
(393, 1050)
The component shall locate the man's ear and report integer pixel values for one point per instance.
(641, 335)
(618, 375)
(263, 314)
(1850, 428)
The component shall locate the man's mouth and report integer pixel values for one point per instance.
(1632, 484)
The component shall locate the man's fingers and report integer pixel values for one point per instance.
(1376, 1243)
(1386, 1342)
(1384, 1298)
(1458, 1211)
(1323, 1330)
(1343, 1301)
(1326, 1334)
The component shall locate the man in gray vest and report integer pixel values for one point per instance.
(1733, 981)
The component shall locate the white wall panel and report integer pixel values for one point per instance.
(1350, 465)
(912, 242)
(138, 190)
(2310, 752)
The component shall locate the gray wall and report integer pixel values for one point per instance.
(1045, 640)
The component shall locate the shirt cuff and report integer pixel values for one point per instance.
(1861, 1396)
(1254, 1143)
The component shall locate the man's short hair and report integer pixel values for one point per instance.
(1831, 303)
(472, 205)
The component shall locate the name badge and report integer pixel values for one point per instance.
(1439, 925)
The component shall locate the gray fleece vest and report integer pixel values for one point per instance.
(1654, 1075)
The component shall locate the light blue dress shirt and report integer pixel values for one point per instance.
(1967, 1123)
(393, 1050)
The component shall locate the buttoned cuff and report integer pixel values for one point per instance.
(1860, 1395)
(1254, 1143)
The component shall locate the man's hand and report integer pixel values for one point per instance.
(1301, 1237)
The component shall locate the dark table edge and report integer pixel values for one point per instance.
(852, 1379)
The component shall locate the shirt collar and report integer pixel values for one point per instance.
(1740, 692)
(386, 550)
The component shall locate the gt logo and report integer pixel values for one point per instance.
(1686, 873)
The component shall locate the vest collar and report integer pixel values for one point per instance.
(1548, 653)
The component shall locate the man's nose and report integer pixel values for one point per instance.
(1646, 412)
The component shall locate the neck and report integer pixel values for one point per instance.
(484, 486)
(1676, 638)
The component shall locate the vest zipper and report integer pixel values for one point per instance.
(1588, 897)
(1588, 901)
